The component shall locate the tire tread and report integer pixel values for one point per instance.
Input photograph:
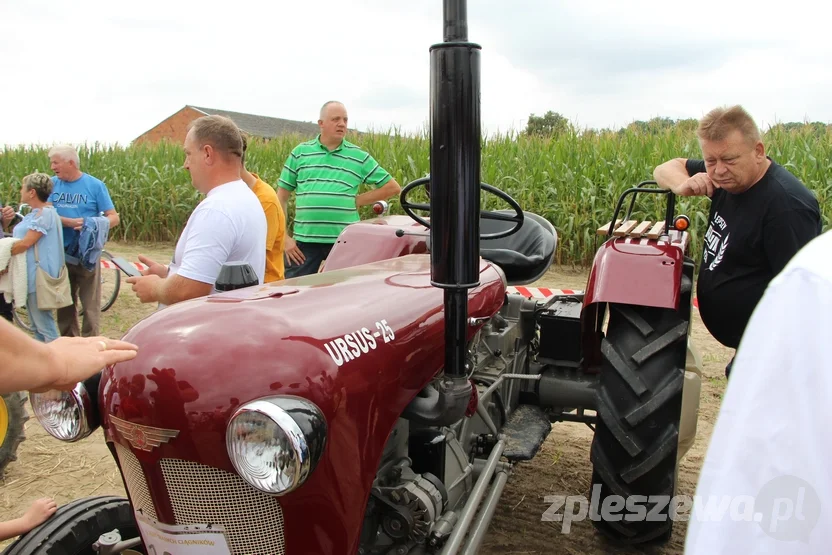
(639, 404)
(76, 526)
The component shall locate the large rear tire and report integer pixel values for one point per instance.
(639, 407)
(76, 526)
(13, 417)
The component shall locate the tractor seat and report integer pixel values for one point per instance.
(525, 255)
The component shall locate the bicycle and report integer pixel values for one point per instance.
(110, 279)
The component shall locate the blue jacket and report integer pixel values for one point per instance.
(87, 250)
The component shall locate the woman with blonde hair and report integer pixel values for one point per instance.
(42, 239)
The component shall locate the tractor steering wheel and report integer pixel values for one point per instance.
(517, 218)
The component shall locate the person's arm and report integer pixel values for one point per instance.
(673, 175)
(170, 290)
(380, 179)
(290, 247)
(114, 218)
(389, 189)
(28, 364)
(270, 209)
(36, 227)
(72, 223)
(37, 514)
(105, 205)
(209, 244)
(26, 242)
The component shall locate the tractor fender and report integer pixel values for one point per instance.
(636, 271)
(376, 240)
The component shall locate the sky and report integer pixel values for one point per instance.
(106, 71)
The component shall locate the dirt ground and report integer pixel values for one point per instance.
(48, 467)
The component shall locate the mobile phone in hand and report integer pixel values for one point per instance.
(126, 267)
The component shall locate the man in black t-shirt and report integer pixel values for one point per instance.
(760, 216)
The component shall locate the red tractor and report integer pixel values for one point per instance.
(379, 406)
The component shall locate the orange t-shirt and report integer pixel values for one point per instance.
(275, 229)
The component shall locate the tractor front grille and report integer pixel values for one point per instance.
(136, 484)
(201, 494)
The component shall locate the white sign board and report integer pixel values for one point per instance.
(196, 539)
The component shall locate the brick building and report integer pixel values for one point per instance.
(175, 127)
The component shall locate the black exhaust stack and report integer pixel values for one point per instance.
(454, 207)
(455, 177)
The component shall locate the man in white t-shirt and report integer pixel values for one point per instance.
(227, 226)
(766, 484)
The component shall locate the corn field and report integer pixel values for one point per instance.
(573, 180)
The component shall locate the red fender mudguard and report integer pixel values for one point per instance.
(376, 240)
(636, 271)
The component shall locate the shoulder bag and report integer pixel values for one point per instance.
(51, 292)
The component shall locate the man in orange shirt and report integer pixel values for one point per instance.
(275, 220)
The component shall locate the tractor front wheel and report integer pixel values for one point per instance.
(76, 526)
(13, 416)
(636, 437)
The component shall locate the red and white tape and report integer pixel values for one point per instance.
(540, 292)
(110, 266)
(545, 293)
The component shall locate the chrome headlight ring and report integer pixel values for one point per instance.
(276, 442)
(65, 415)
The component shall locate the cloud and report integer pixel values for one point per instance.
(108, 71)
(608, 62)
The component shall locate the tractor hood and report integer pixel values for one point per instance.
(359, 343)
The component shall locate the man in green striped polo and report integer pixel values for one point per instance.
(325, 174)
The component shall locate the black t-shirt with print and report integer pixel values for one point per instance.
(751, 237)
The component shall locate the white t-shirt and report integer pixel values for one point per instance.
(227, 226)
(769, 462)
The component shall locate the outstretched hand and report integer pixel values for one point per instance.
(78, 358)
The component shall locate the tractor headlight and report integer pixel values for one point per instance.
(66, 415)
(275, 443)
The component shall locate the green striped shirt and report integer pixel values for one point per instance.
(326, 184)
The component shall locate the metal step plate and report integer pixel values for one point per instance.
(525, 432)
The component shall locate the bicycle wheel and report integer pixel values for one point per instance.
(21, 318)
(110, 285)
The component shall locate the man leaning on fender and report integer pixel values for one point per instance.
(760, 216)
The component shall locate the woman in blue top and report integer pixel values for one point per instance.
(41, 227)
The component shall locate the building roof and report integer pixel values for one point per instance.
(264, 126)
